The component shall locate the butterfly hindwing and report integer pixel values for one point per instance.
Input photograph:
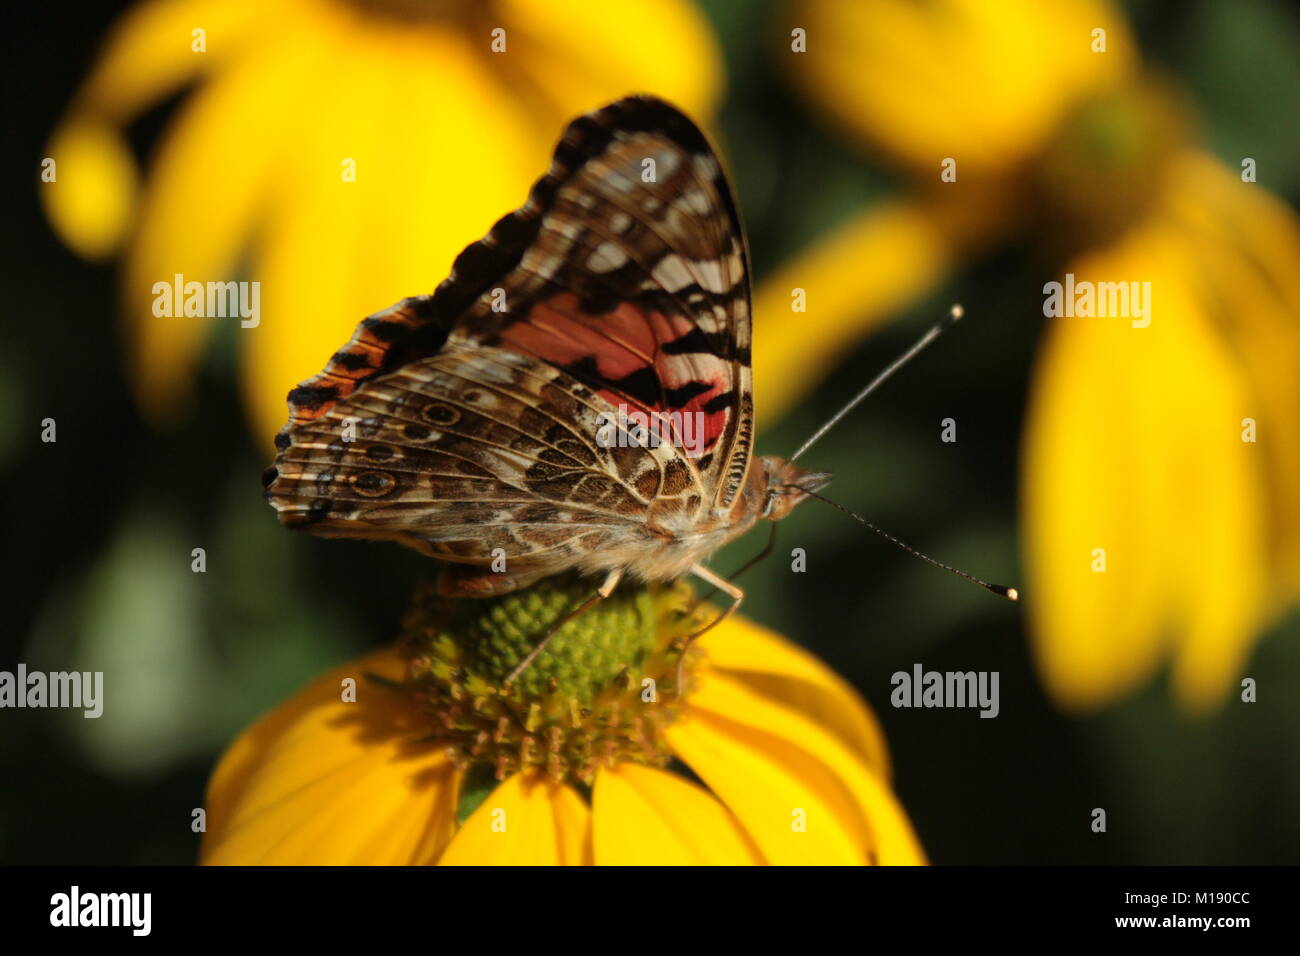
(476, 454)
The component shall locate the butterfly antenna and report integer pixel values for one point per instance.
(1001, 590)
(953, 316)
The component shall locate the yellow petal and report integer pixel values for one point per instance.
(983, 83)
(90, 200)
(335, 251)
(855, 279)
(800, 794)
(525, 823)
(225, 155)
(580, 54)
(776, 668)
(325, 781)
(150, 50)
(1246, 243)
(647, 817)
(1133, 446)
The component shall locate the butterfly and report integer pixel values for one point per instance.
(576, 395)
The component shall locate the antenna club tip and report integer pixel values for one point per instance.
(956, 312)
(1012, 594)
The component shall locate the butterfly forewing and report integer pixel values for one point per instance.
(637, 284)
(466, 423)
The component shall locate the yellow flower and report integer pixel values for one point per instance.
(255, 170)
(1136, 443)
(790, 766)
(984, 84)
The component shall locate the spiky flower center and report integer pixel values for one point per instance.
(599, 693)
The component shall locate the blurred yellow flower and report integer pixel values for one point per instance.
(984, 82)
(339, 152)
(1137, 437)
(1174, 448)
(792, 768)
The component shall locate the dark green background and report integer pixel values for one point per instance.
(98, 527)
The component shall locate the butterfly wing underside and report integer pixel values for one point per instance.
(466, 423)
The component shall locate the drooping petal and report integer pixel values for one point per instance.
(770, 665)
(149, 52)
(151, 49)
(855, 279)
(91, 199)
(223, 157)
(419, 125)
(525, 823)
(1142, 505)
(325, 780)
(767, 792)
(642, 816)
(1246, 245)
(801, 794)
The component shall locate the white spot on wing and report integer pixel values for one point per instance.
(674, 274)
(696, 201)
(607, 257)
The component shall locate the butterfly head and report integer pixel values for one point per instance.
(785, 484)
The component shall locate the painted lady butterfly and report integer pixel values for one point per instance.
(481, 416)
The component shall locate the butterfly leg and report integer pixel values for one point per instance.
(767, 549)
(719, 584)
(605, 590)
